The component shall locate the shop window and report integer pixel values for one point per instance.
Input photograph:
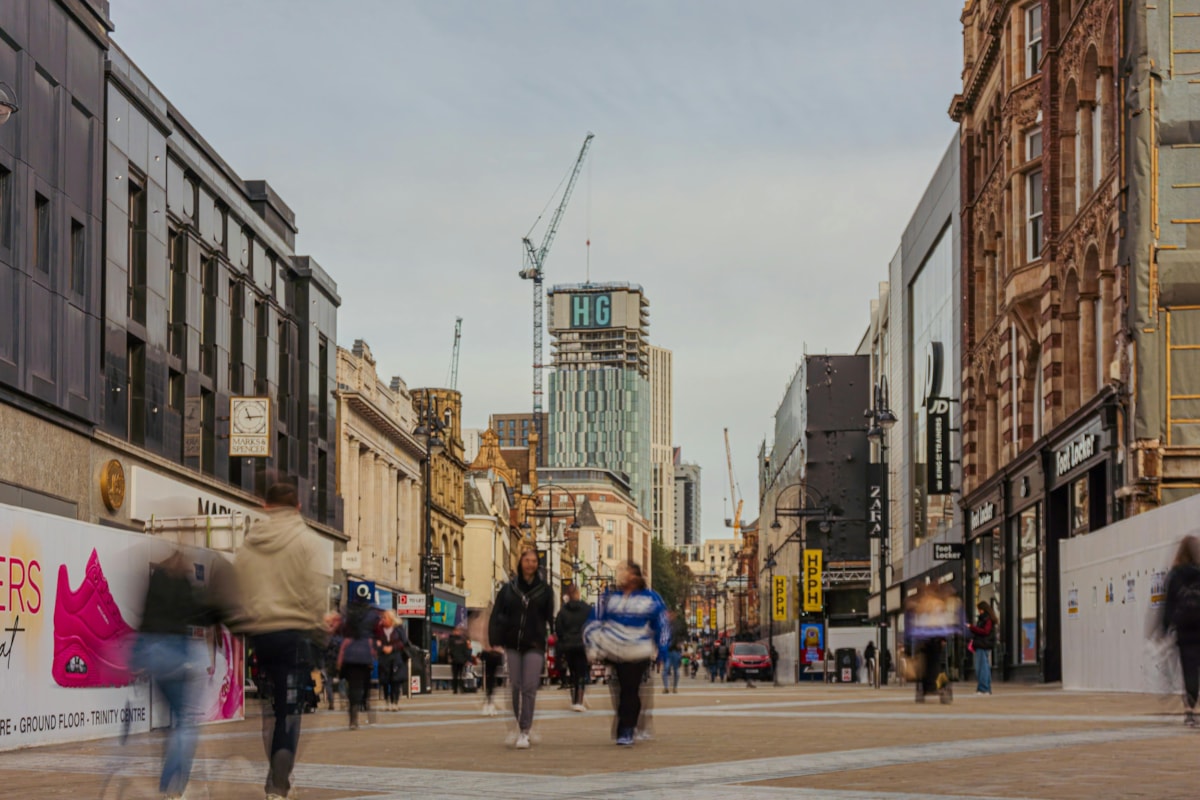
(1080, 508)
(1028, 630)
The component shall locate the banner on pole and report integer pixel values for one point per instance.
(814, 599)
(780, 606)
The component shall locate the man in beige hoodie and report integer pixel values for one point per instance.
(280, 605)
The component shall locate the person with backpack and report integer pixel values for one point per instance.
(721, 651)
(983, 638)
(1181, 614)
(357, 654)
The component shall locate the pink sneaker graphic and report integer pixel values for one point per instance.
(91, 639)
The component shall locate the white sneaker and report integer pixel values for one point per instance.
(643, 736)
(487, 709)
(577, 707)
(523, 741)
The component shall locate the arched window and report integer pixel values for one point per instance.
(1088, 115)
(1091, 326)
(1071, 355)
(456, 566)
(980, 287)
(1069, 154)
(982, 467)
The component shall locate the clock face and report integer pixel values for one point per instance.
(251, 415)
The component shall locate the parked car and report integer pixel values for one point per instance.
(748, 660)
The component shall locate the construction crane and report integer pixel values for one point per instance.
(534, 270)
(736, 522)
(454, 354)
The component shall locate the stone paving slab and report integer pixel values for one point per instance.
(712, 742)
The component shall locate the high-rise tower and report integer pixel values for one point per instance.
(599, 399)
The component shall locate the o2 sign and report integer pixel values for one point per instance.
(591, 310)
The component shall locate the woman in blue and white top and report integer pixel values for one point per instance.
(628, 628)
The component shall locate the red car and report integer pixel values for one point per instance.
(747, 661)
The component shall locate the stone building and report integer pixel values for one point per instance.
(379, 473)
(447, 476)
(1042, 302)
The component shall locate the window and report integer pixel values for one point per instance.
(136, 263)
(237, 356)
(208, 432)
(1033, 201)
(1033, 144)
(323, 391)
(1033, 39)
(208, 317)
(5, 207)
(78, 258)
(1097, 128)
(177, 300)
(135, 390)
(41, 233)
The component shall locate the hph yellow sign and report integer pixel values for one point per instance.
(699, 617)
(779, 606)
(813, 599)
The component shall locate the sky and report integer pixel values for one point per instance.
(754, 167)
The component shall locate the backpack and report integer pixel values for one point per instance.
(1186, 612)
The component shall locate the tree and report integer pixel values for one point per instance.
(670, 575)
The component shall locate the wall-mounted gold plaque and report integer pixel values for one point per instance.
(112, 485)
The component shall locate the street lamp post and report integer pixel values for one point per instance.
(551, 513)
(881, 419)
(429, 425)
(825, 513)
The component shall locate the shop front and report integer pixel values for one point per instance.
(1080, 466)
(1021, 555)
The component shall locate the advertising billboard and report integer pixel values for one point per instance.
(70, 603)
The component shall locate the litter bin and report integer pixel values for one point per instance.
(845, 658)
(418, 666)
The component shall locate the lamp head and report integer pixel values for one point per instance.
(775, 526)
(8, 102)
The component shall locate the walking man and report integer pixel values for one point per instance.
(459, 647)
(282, 599)
(869, 660)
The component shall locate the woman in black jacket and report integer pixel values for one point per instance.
(568, 627)
(1181, 613)
(391, 643)
(520, 619)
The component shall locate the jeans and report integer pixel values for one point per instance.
(1189, 662)
(721, 665)
(456, 675)
(492, 662)
(983, 670)
(284, 662)
(671, 668)
(359, 678)
(525, 674)
(629, 676)
(578, 670)
(173, 662)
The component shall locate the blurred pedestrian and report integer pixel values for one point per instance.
(983, 639)
(628, 629)
(458, 648)
(721, 652)
(520, 622)
(166, 652)
(869, 660)
(932, 616)
(281, 594)
(1181, 614)
(357, 655)
(490, 656)
(568, 627)
(332, 681)
(391, 644)
(674, 659)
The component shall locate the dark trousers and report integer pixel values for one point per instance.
(931, 652)
(491, 668)
(1189, 662)
(456, 673)
(577, 670)
(358, 676)
(630, 675)
(284, 663)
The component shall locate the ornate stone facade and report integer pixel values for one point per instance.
(447, 483)
(379, 472)
(1041, 294)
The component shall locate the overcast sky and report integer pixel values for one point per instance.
(754, 166)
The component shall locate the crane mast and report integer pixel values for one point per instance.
(454, 353)
(534, 270)
(733, 495)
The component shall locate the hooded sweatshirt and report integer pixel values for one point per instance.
(278, 583)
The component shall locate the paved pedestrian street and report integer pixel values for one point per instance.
(710, 741)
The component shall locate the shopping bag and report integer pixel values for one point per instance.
(1161, 664)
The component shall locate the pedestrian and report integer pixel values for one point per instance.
(458, 650)
(166, 652)
(869, 660)
(1181, 614)
(932, 616)
(357, 654)
(721, 651)
(490, 656)
(670, 672)
(568, 628)
(983, 639)
(391, 643)
(332, 681)
(280, 602)
(520, 621)
(628, 629)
